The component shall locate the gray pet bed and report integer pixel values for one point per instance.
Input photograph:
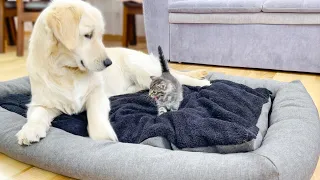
(289, 150)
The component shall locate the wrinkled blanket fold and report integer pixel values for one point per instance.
(224, 113)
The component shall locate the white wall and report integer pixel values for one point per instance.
(112, 12)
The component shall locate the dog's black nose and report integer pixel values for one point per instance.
(107, 62)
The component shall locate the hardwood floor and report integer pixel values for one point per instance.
(12, 67)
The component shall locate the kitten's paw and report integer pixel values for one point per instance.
(31, 133)
(174, 109)
(162, 110)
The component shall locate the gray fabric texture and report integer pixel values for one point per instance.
(246, 18)
(299, 6)
(282, 47)
(16, 86)
(280, 41)
(291, 108)
(205, 6)
(262, 124)
(290, 149)
(218, 6)
(156, 19)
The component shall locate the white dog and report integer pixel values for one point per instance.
(71, 71)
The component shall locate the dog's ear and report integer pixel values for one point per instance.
(64, 23)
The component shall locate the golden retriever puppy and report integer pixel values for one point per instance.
(71, 71)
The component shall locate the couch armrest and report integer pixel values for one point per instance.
(156, 19)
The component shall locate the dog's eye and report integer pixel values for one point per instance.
(89, 36)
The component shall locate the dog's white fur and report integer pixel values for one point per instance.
(60, 83)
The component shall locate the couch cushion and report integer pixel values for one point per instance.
(214, 6)
(291, 6)
(245, 18)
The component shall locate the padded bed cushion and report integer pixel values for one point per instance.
(290, 148)
(225, 117)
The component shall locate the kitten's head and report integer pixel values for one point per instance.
(159, 87)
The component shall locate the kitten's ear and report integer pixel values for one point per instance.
(152, 77)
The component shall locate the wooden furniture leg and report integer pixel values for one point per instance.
(20, 41)
(130, 10)
(2, 27)
(129, 29)
(132, 30)
(12, 38)
(125, 27)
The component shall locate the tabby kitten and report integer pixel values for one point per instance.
(165, 89)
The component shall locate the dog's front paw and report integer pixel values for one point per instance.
(31, 132)
(102, 132)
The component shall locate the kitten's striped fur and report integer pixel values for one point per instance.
(165, 89)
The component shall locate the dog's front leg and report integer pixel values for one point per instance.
(98, 107)
(39, 121)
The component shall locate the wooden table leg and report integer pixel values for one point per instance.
(20, 40)
(132, 30)
(2, 28)
(12, 32)
(125, 27)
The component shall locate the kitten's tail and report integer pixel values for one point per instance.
(163, 61)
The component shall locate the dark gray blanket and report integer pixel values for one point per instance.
(225, 113)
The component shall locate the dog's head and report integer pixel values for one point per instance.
(78, 27)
